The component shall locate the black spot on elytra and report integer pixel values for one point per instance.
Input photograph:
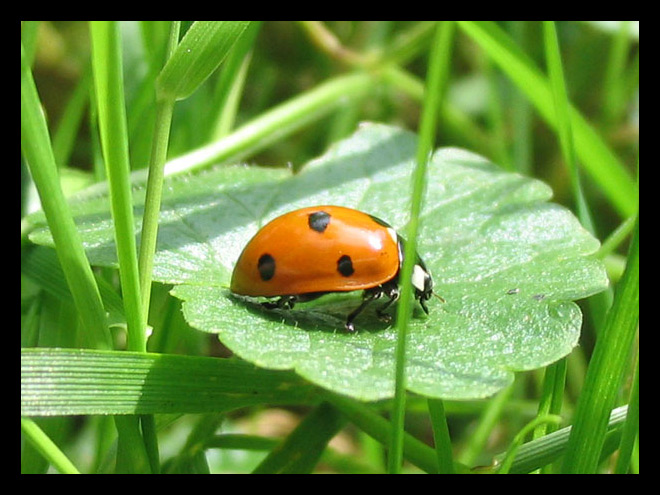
(319, 221)
(345, 266)
(266, 267)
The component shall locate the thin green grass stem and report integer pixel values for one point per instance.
(522, 145)
(436, 82)
(441, 438)
(599, 303)
(553, 393)
(38, 153)
(630, 427)
(555, 375)
(552, 398)
(153, 198)
(164, 110)
(108, 80)
(132, 457)
(563, 119)
(68, 125)
(276, 123)
(150, 219)
(616, 238)
(47, 447)
(377, 427)
(229, 88)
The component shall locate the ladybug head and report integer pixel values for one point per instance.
(421, 278)
(423, 283)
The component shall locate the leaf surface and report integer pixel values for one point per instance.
(507, 262)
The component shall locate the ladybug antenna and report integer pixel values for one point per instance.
(438, 296)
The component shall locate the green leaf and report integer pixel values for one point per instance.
(507, 262)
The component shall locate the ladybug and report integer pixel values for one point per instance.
(313, 251)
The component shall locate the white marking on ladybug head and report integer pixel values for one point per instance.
(419, 278)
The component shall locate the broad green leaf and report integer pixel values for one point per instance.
(507, 262)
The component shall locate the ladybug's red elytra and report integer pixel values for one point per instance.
(312, 251)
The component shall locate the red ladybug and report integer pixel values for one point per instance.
(306, 253)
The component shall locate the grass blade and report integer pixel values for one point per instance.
(270, 127)
(276, 123)
(64, 382)
(555, 374)
(68, 126)
(229, 87)
(630, 428)
(37, 150)
(108, 81)
(598, 160)
(439, 59)
(377, 427)
(609, 360)
(564, 127)
(301, 450)
(200, 52)
(547, 449)
(441, 437)
(152, 202)
(48, 449)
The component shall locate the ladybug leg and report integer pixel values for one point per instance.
(288, 302)
(369, 295)
(393, 293)
(391, 290)
(284, 302)
(422, 303)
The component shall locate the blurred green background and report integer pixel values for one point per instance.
(484, 112)
(601, 65)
